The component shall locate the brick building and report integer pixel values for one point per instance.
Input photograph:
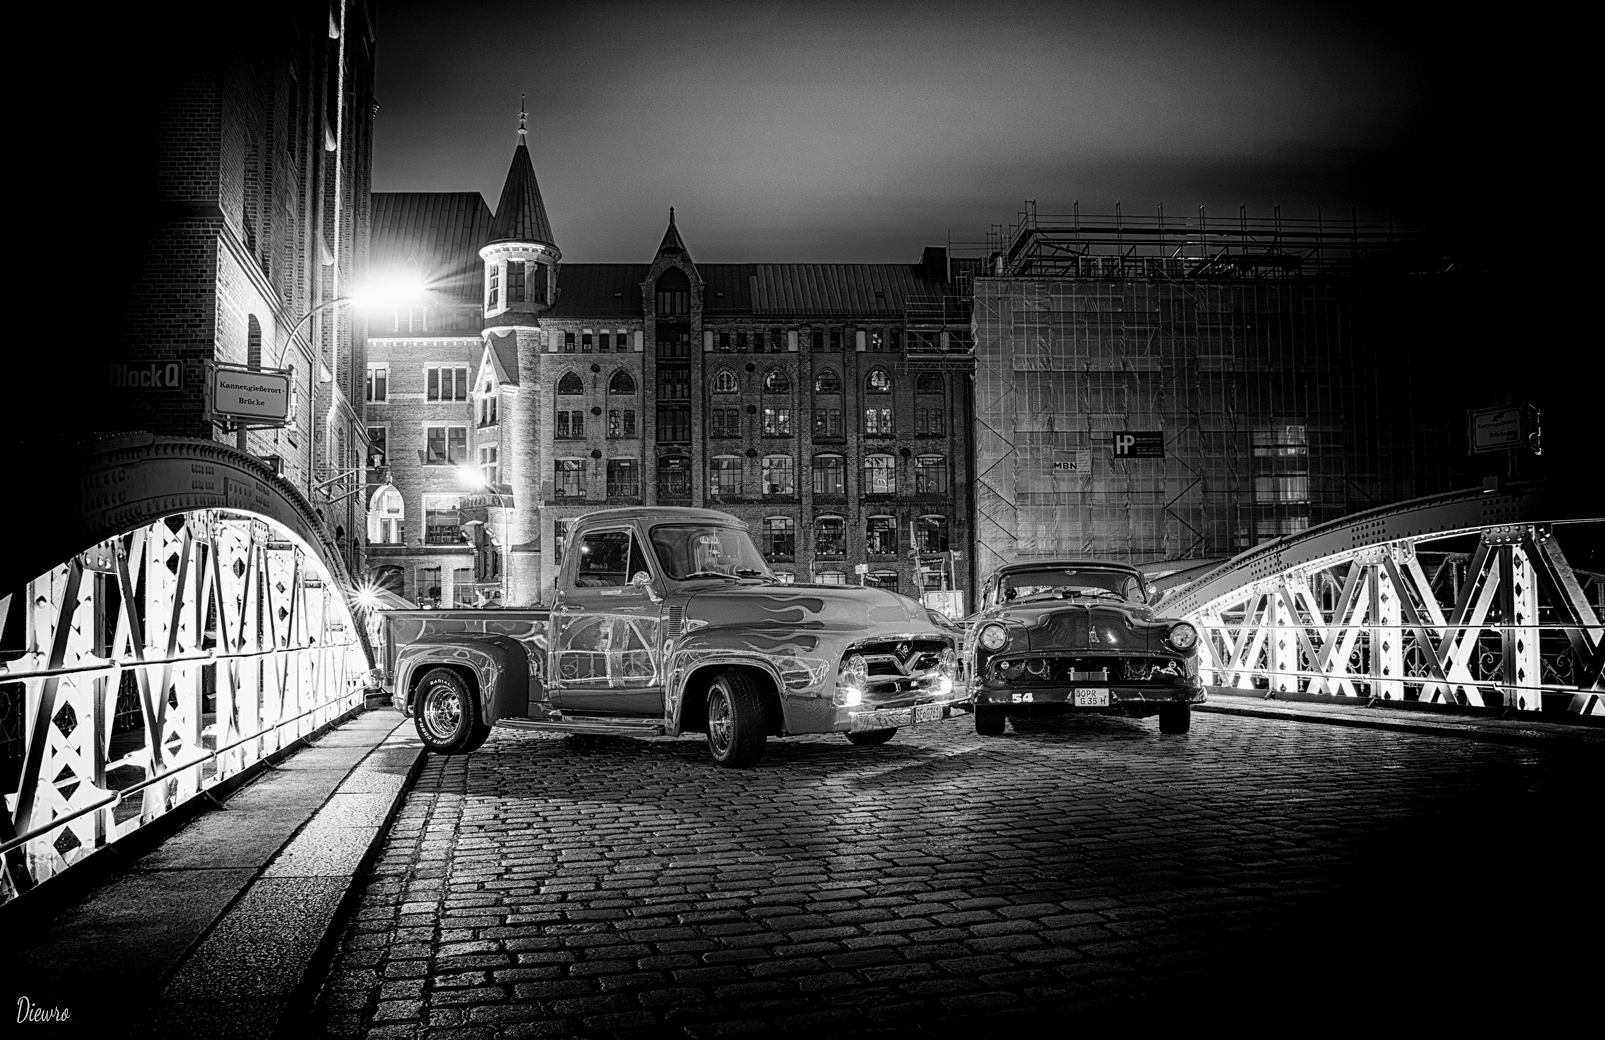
(825, 404)
(241, 208)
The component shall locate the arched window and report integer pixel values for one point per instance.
(830, 536)
(779, 476)
(779, 537)
(674, 292)
(880, 475)
(879, 381)
(880, 535)
(724, 477)
(930, 534)
(570, 384)
(253, 342)
(928, 383)
(827, 382)
(830, 475)
(621, 383)
(776, 382)
(930, 475)
(385, 515)
(724, 382)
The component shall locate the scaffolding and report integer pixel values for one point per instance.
(1286, 371)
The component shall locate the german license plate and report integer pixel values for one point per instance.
(928, 713)
(1092, 697)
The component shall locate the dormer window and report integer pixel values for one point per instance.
(674, 293)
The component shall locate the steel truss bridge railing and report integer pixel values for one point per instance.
(162, 660)
(1464, 598)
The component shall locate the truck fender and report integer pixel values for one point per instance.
(693, 657)
(497, 666)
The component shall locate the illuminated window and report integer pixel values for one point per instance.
(830, 536)
(443, 520)
(724, 382)
(776, 382)
(778, 475)
(777, 422)
(880, 536)
(724, 477)
(878, 422)
(880, 475)
(878, 382)
(779, 537)
(827, 382)
(830, 475)
(568, 478)
(386, 516)
(930, 475)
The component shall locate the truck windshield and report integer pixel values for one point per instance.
(705, 551)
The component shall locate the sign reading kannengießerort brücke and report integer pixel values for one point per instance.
(255, 395)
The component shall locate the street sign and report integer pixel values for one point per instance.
(1132, 444)
(258, 396)
(1497, 429)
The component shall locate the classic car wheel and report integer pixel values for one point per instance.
(735, 721)
(1175, 718)
(989, 721)
(448, 715)
(871, 737)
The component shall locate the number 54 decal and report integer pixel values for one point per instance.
(1022, 698)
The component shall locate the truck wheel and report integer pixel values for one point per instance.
(988, 721)
(448, 714)
(871, 737)
(735, 721)
(1175, 718)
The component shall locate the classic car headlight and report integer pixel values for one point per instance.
(851, 681)
(1182, 636)
(993, 636)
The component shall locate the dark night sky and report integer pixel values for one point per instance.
(861, 132)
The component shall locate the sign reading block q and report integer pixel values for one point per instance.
(253, 395)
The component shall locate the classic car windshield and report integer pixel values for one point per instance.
(703, 550)
(1071, 582)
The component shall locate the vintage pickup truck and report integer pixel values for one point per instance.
(668, 621)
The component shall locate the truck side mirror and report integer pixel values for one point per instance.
(643, 580)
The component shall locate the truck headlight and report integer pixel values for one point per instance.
(1182, 636)
(993, 636)
(852, 680)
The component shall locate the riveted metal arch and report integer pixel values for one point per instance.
(179, 615)
(1517, 625)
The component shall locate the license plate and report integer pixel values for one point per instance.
(1093, 697)
(928, 713)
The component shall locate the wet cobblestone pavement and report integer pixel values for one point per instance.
(1255, 874)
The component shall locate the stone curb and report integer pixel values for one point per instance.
(255, 972)
(1517, 731)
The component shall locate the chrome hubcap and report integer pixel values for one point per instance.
(719, 719)
(442, 711)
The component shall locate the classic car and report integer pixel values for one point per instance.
(1077, 636)
(667, 620)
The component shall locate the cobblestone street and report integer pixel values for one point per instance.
(1254, 873)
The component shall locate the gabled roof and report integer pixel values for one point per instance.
(866, 290)
(521, 215)
(671, 238)
(441, 230)
(501, 354)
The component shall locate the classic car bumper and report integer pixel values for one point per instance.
(860, 719)
(1087, 697)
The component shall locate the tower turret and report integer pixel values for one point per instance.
(521, 260)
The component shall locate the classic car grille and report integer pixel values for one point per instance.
(1125, 670)
(896, 668)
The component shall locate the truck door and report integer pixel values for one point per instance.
(605, 635)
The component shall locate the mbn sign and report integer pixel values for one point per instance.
(1130, 444)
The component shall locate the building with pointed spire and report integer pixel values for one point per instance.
(825, 404)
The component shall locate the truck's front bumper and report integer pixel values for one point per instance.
(867, 718)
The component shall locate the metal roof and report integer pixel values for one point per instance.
(599, 291)
(441, 230)
(521, 215)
